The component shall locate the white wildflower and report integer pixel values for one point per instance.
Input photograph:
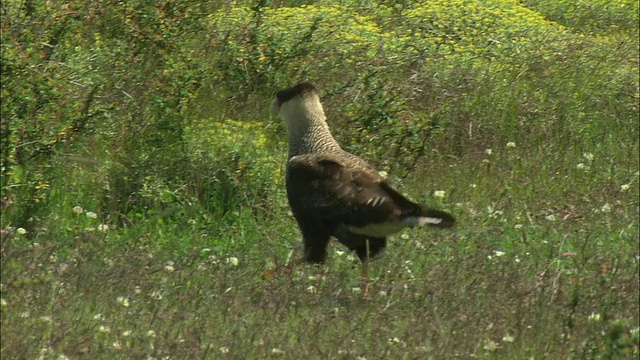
(394, 340)
(606, 208)
(511, 144)
(490, 345)
(21, 231)
(588, 156)
(311, 289)
(439, 193)
(104, 329)
(151, 333)
(126, 333)
(488, 151)
(233, 261)
(44, 352)
(508, 338)
(123, 301)
(625, 187)
(594, 317)
(224, 350)
(498, 252)
(78, 209)
(169, 266)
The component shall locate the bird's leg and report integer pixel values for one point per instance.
(365, 277)
(365, 271)
(315, 252)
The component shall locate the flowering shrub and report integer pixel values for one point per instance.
(594, 16)
(470, 30)
(233, 166)
(308, 41)
(272, 46)
(394, 74)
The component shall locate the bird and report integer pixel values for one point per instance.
(335, 194)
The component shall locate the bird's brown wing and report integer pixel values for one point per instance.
(325, 187)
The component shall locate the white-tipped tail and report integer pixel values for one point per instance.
(422, 220)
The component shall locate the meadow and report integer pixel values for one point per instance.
(142, 192)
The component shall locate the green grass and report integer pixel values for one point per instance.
(530, 277)
(147, 226)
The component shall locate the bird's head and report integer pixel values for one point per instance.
(298, 105)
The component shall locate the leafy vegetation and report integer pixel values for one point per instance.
(142, 178)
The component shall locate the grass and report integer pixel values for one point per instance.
(505, 283)
(123, 244)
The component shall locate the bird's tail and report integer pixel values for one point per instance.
(417, 215)
(433, 217)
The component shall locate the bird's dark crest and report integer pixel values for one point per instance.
(300, 89)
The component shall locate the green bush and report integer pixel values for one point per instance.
(121, 91)
(263, 46)
(453, 58)
(591, 17)
(233, 167)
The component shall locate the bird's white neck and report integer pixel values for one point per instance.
(307, 127)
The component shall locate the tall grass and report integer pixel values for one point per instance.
(143, 206)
